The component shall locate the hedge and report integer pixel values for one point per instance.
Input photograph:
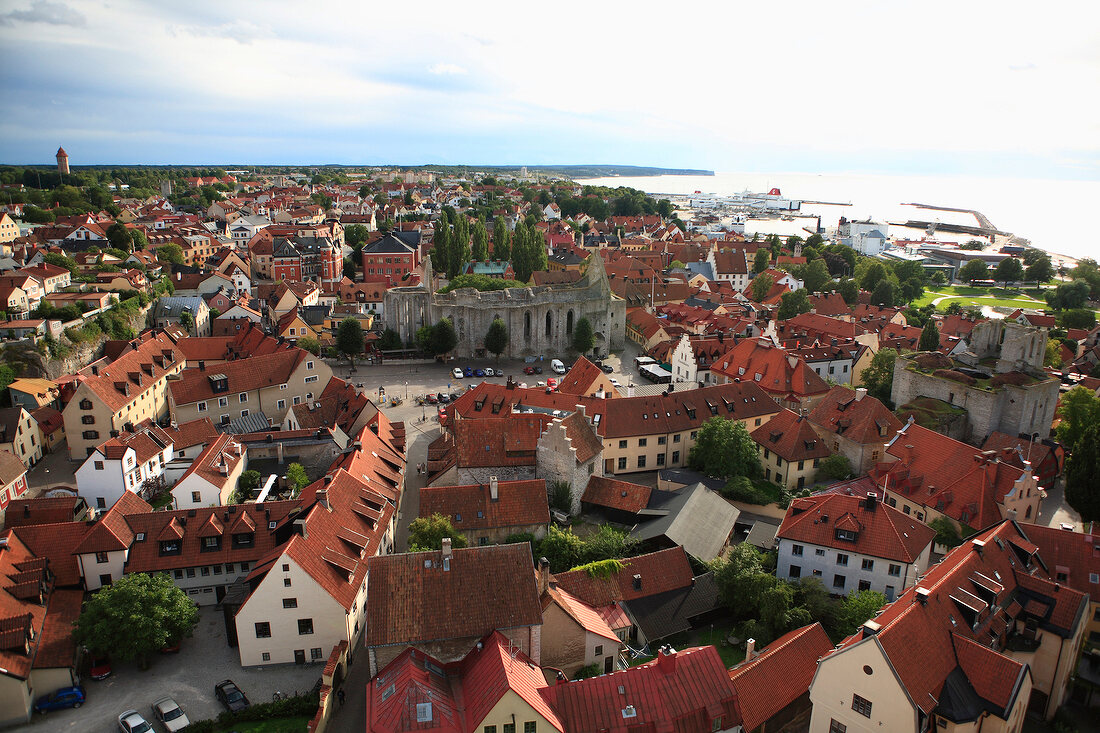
(292, 707)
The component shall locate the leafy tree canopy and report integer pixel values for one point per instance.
(724, 449)
(427, 533)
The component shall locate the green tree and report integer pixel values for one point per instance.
(522, 262)
(762, 260)
(1068, 296)
(939, 278)
(974, 270)
(496, 338)
(171, 253)
(390, 341)
(973, 245)
(1009, 270)
(859, 607)
(834, 468)
(929, 337)
(119, 237)
(1053, 356)
(296, 478)
(480, 241)
(1041, 270)
(563, 549)
(441, 250)
(870, 273)
(310, 344)
(1082, 468)
(355, 235)
(724, 449)
(583, 336)
(793, 303)
(349, 339)
(878, 377)
(8, 374)
(134, 616)
(502, 240)
(947, 534)
(741, 579)
(885, 292)
(1077, 318)
(60, 260)
(427, 533)
(1079, 409)
(760, 286)
(249, 480)
(438, 339)
(187, 321)
(815, 275)
(849, 290)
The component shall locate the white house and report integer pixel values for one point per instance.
(866, 237)
(213, 475)
(122, 464)
(853, 543)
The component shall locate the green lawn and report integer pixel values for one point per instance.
(284, 725)
(708, 634)
(968, 296)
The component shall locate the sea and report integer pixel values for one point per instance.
(1057, 216)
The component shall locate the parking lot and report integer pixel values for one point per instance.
(188, 677)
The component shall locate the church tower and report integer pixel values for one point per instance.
(62, 161)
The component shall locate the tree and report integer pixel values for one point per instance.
(427, 533)
(742, 579)
(562, 548)
(444, 338)
(502, 240)
(939, 278)
(815, 276)
(496, 338)
(760, 287)
(1009, 270)
(929, 337)
(583, 336)
(187, 321)
(1079, 409)
(119, 237)
(349, 339)
(885, 292)
(1077, 318)
(480, 241)
(878, 377)
(849, 290)
(296, 478)
(724, 449)
(834, 468)
(1068, 296)
(859, 607)
(972, 245)
(171, 253)
(60, 260)
(441, 252)
(390, 341)
(793, 303)
(1041, 270)
(1082, 467)
(762, 260)
(974, 270)
(870, 273)
(134, 616)
(310, 344)
(355, 235)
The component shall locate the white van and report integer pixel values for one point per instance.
(557, 367)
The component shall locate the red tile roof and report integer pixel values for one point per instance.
(112, 531)
(587, 617)
(484, 588)
(680, 693)
(581, 378)
(784, 669)
(243, 375)
(606, 491)
(499, 441)
(1073, 558)
(856, 416)
(519, 504)
(660, 571)
(57, 542)
(191, 433)
(771, 368)
(791, 437)
(582, 437)
(880, 532)
(42, 510)
(21, 613)
(117, 383)
(56, 646)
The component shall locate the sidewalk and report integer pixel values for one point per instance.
(352, 715)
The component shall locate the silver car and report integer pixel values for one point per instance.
(132, 722)
(170, 714)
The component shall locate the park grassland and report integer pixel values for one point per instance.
(971, 297)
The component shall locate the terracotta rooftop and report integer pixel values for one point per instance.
(471, 507)
(606, 491)
(791, 437)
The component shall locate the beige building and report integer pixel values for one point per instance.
(9, 230)
(19, 435)
(132, 388)
(855, 425)
(575, 635)
(269, 384)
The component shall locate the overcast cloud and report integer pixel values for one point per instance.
(935, 87)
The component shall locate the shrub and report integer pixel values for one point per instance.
(518, 537)
(561, 497)
(955, 376)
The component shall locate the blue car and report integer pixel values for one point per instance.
(66, 697)
(479, 372)
(469, 372)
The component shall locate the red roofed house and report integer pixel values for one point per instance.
(575, 635)
(493, 687)
(212, 477)
(124, 463)
(618, 501)
(679, 692)
(931, 475)
(785, 377)
(13, 481)
(488, 513)
(1073, 559)
(852, 543)
(854, 425)
(790, 450)
(986, 636)
(784, 669)
(585, 378)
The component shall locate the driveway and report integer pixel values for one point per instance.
(189, 677)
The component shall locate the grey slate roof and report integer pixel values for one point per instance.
(671, 612)
(696, 518)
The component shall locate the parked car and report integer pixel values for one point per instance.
(551, 383)
(615, 382)
(455, 396)
(528, 370)
(443, 398)
(557, 366)
(101, 668)
(479, 372)
(66, 697)
(132, 722)
(230, 695)
(469, 371)
(457, 373)
(490, 372)
(606, 369)
(432, 399)
(170, 714)
(538, 369)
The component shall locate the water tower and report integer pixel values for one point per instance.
(62, 161)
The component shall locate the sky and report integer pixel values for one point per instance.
(976, 88)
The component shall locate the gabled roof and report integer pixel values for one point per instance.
(791, 437)
(659, 572)
(856, 416)
(784, 670)
(518, 504)
(415, 597)
(695, 517)
(112, 532)
(583, 614)
(243, 375)
(773, 369)
(612, 493)
(880, 530)
(151, 356)
(581, 378)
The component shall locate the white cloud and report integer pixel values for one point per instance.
(446, 70)
(44, 11)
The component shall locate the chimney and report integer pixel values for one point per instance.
(202, 365)
(921, 595)
(446, 549)
(869, 502)
(494, 494)
(861, 392)
(179, 276)
(322, 498)
(637, 581)
(544, 575)
(666, 660)
(95, 370)
(750, 649)
(1012, 514)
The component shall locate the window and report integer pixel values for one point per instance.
(190, 572)
(838, 581)
(297, 400)
(98, 465)
(622, 464)
(861, 706)
(101, 557)
(305, 626)
(642, 442)
(90, 434)
(490, 729)
(263, 630)
(223, 402)
(290, 603)
(622, 443)
(675, 456)
(511, 727)
(868, 565)
(228, 567)
(660, 459)
(529, 726)
(661, 440)
(796, 571)
(819, 552)
(196, 497)
(88, 419)
(716, 724)
(217, 570)
(244, 413)
(105, 579)
(210, 543)
(281, 405)
(178, 574)
(311, 380)
(265, 656)
(286, 582)
(204, 571)
(676, 438)
(309, 365)
(895, 570)
(641, 461)
(202, 406)
(865, 585)
(796, 550)
(170, 547)
(841, 559)
(835, 727)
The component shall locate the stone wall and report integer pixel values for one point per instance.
(540, 320)
(556, 460)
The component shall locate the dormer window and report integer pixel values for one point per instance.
(169, 547)
(242, 539)
(847, 535)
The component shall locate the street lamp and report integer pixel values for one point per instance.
(406, 391)
(47, 481)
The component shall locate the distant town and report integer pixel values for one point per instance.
(392, 449)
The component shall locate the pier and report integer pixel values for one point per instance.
(985, 227)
